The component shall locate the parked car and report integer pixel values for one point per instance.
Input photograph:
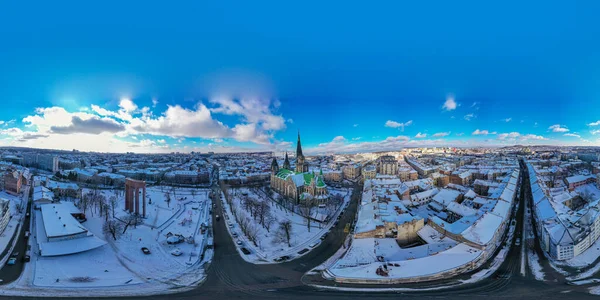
(11, 261)
(245, 251)
(230, 224)
(234, 235)
(239, 242)
(27, 256)
(176, 252)
(145, 250)
(27, 234)
(518, 242)
(315, 244)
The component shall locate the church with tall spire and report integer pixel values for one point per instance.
(299, 184)
(301, 164)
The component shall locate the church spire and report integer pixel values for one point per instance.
(299, 147)
(286, 162)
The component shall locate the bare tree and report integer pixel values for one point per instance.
(113, 202)
(114, 228)
(262, 210)
(134, 219)
(168, 199)
(307, 209)
(285, 231)
(269, 220)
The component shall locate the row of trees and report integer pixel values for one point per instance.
(260, 212)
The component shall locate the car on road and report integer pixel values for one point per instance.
(15, 254)
(518, 242)
(27, 234)
(281, 258)
(176, 252)
(323, 237)
(145, 250)
(217, 217)
(11, 261)
(315, 244)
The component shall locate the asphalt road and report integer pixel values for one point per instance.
(230, 277)
(11, 273)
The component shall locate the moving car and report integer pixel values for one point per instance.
(518, 242)
(217, 217)
(145, 250)
(11, 261)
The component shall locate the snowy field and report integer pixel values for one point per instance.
(270, 243)
(120, 267)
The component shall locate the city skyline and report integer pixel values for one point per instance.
(232, 82)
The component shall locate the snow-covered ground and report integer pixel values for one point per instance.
(534, 265)
(120, 267)
(269, 244)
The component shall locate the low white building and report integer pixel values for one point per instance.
(59, 233)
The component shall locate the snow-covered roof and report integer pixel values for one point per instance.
(58, 220)
(483, 230)
(446, 196)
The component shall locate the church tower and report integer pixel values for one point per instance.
(301, 165)
(286, 163)
(274, 166)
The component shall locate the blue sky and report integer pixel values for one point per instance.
(236, 76)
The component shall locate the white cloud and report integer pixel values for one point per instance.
(468, 117)
(572, 135)
(441, 134)
(394, 124)
(450, 103)
(421, 135)
(253, 110)
(480, 132)
(594, 123)
(513, 136)
(507, 120)
(127, 105)
(154, 102)
(532, 137)
(594, 132)
(355, 125)
(558, 128)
